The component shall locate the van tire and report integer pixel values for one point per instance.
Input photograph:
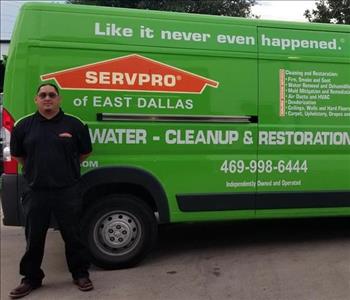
(119, 231)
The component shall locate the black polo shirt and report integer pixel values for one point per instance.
(51, 149)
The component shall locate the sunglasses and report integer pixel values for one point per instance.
(50, 95)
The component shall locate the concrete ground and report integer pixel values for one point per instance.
(281, 259)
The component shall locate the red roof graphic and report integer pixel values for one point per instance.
(131, 73)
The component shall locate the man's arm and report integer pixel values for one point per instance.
(16, 144)
(84, 142)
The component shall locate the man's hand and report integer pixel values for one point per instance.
(82, 157)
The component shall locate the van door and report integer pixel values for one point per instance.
(304, 121)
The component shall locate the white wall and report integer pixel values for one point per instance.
(4, 49)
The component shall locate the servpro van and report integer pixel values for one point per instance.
(192, 117)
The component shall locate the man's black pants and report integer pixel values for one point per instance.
(65, 204)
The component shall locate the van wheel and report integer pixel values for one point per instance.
(119, 231)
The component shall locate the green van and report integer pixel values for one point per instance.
(192, 118)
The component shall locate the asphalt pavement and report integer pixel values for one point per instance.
(279, 259)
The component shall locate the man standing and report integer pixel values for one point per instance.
(50, 145)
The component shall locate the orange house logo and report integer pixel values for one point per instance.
(131, 73)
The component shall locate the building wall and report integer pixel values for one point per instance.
(4, 46)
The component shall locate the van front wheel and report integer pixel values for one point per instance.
(119, 231)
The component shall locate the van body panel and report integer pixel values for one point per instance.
(230, 118)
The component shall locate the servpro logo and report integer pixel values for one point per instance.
(130, 79)
(131, 73)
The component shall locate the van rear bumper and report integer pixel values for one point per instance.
(12, 187)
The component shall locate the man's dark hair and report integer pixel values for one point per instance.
(50, 84)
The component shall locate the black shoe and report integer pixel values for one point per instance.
(23, 289)
(84, 284)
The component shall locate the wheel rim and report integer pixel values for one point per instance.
(117, 233)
